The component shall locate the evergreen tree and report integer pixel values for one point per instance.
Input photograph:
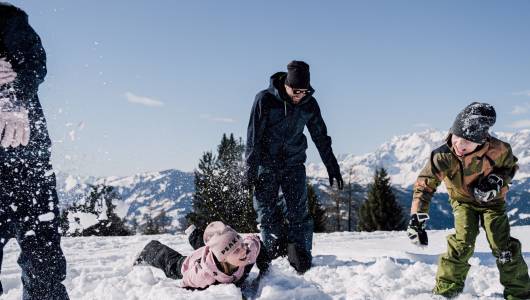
(338, 212)
(64, 223)
(381, 211)
(155, 225)
(99, 203)
(315, 209)
(219, 193)
(149, 227)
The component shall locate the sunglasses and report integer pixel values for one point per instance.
(305, 92)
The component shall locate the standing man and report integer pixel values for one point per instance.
(28, 199)
(275, 157)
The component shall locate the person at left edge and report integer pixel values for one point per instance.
(28, 198)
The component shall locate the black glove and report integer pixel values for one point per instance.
(195, 236)
(334, 174)
(488, 188)
(416, 230)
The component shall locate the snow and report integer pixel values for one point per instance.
(524, 216)
(81, 220)
(47, 217)
(512, 212)
(359, 265)
(70, 183)
(29, 233)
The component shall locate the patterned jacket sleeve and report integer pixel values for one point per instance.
(428, 180)
(506, 169)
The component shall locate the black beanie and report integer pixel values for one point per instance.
(474, 122)
(297, 75)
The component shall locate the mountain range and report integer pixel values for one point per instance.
(403, 157)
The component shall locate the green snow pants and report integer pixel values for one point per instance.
(453, 265)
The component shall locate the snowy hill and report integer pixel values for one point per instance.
(357, 265)
(145, 193)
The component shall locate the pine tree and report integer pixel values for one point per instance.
(315, 210)
(219, 193)
(64, 223)
(381, 211)
(337, 198)
(99, 203)
(149, 228)
(155, 225)
(350, 199)
(338, 212)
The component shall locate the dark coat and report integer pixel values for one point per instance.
(22, 47)
(275, 136)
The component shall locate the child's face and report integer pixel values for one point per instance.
(238, 257)
(462, 146)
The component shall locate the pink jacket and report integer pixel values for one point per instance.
(200, 271)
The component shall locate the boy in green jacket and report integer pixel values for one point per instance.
(476, 169)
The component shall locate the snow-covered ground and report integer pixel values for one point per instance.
(380, 265)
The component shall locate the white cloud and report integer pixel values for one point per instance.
(521, 124)
(224, 120)
(521, 109)
(217, 119)
(142, 100)
(522, 93)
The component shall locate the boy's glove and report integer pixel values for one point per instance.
(14, 119)
(416, 230)
(488, 188)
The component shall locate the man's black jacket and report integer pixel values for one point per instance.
(275, 136)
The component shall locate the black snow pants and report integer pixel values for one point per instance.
(29, 212)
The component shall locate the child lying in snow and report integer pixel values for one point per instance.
(221, 256)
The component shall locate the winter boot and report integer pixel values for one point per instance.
(147, 254)
(160, 256)
(299, 258)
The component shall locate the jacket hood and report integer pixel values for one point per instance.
(276, 88)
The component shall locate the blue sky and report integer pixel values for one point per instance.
(138, 86)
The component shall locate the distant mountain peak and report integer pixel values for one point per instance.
(405, 155)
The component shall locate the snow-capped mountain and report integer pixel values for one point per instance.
(146, 193)
(404, 156)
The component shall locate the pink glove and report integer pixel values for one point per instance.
(7, 75)
(14, 119)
